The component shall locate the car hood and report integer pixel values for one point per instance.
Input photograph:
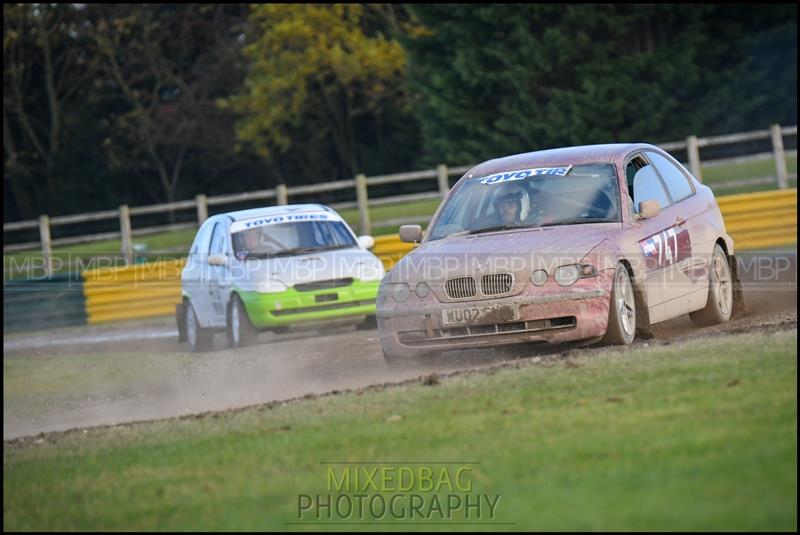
(518, 251)
(354, 263)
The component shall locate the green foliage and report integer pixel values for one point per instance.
(491, 80)
(109, 104)
(321, 78)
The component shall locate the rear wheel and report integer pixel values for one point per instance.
(719, 304)
(199, 338)
(621, 328)
(241, 332)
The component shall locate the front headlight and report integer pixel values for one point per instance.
(539, 277)
(270, 286)
(400, 292)
(567, 275)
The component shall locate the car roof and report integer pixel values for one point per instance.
(583, 154)
(276, 210)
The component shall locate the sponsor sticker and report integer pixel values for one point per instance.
(525, 173)
(278, 219)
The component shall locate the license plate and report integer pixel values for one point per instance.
(479, 314)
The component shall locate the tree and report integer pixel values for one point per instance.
(488, 80)
(321, 76)
(166, 66)
(48, 65)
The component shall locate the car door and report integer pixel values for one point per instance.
(218, 279)
(193, 278)
(656, 237)
(688, 283)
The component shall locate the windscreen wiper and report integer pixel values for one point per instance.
(579, 220)
(334, 247)
(495, 228)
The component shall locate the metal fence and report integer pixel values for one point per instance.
(360, 184)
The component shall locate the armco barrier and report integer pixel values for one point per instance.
(755, 220)
(43, 303)
(138, 291)
(390, 249)
(760, 220)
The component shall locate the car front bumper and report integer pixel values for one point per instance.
(291, 307)
(549, 313)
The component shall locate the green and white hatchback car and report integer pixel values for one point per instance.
(271, 268)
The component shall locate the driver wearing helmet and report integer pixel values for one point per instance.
(247, 242)
(508, 206)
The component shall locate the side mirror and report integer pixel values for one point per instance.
(218, 260)
(366, 242)
(649, 208)
(411, 233)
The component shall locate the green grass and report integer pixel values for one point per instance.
(719, 175)
(696, 435)
(176, 243)
(738, 171)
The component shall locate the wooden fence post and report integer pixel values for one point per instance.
(693, 152)
(363, 204)
(47, 245)
(202, 208)
(282, 194)
(780, 156)
(125, 233)
(444, 183)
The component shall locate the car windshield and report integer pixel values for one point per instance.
(286, 239)
(531, 198)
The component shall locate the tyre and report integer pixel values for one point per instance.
(199, 338)
(369, 323)
(621, 328)
(719, 304)
(180, 319)
(241, 332)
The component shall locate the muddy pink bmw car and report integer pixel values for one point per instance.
(591, 243)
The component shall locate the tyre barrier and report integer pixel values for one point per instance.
(44, 303)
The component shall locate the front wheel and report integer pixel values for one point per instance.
(621, 328)
(719, 304)
(241, 332)
(199, 339)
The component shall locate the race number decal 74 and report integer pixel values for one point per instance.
(665, 248)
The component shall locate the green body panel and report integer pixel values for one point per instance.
(270, 309)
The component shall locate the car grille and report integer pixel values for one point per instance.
(500, 283)
(460, 288)
(322, 285)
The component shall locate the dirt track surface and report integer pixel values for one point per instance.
(297, 364)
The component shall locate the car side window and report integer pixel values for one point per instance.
(217, 240)
(677, 184)
(648, 186)
(201, 239)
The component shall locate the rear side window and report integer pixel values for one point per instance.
(647, 186)
(677, 184)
